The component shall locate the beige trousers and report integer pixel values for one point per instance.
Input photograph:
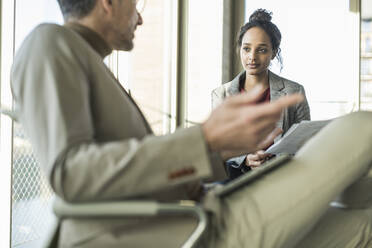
(289, 207)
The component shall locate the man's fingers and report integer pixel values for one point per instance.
(286, 101)
(245, 126)
(290, 100)
(246, 98)
(276, 107)
(264, 128)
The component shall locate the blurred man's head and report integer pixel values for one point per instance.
(76, 8)
(115, 20)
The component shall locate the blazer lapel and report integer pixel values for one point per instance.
(276, 91)
(233, 88)
(148, 127)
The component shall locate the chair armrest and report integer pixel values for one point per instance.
(135, 208)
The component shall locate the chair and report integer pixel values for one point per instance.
(134, 208)
(123, 209)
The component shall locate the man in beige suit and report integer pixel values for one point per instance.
(95, 145)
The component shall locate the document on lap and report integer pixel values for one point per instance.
(296, 136)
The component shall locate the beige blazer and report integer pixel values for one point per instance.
(94, 143)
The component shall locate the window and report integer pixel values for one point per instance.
(204, 67)
(147, 72)
(320, 50)
(30, 193)
(366, 56)
(5, 124)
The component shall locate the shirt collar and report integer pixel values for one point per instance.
(93, 38)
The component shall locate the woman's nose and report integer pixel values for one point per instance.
(251, 56)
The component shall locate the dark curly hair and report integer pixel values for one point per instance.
(76, 8)
(262, 18)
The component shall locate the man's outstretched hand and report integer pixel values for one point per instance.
(239, 126)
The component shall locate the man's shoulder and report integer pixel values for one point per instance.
(48, 39)
(50, 27)
(50, 35)
(49, 30)
(39, 39)
(47, 44)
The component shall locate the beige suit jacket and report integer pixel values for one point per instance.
(91, 138)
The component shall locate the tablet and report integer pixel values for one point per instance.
(249, 177)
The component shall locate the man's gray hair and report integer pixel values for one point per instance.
(76, 8)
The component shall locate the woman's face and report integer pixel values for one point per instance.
(256, 51)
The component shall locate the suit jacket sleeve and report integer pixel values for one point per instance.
(50, 84)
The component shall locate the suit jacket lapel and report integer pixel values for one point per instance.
(276, 91)
(148, 127)
(233, 89)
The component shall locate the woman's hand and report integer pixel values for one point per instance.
(255, 160)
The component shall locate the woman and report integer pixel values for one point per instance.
(259, 43)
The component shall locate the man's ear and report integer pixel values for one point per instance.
(106, 5)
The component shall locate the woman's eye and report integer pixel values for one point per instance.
(262, 50)
(246, 49)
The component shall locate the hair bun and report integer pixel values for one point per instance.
(261, 15)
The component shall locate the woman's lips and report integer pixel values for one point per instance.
(253, 66)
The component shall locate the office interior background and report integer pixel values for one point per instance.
(184, 49)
